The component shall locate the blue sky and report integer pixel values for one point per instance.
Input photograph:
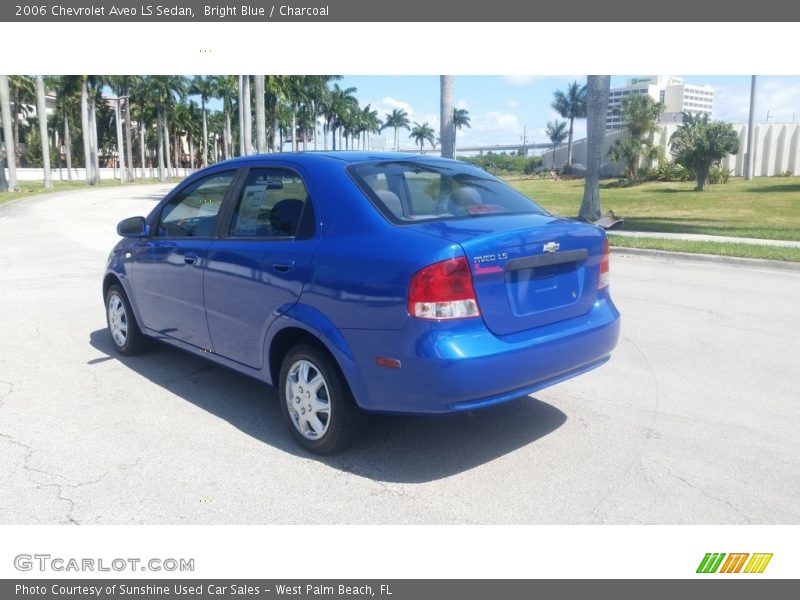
(500, 106)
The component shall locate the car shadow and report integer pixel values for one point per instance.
(400, 449)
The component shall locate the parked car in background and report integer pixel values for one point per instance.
(362, 282)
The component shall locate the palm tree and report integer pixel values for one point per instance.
(41, 112)
(227, 91)
(570, 105)
(640, 114)
(205, 88)
(342, 103)
(460, 119)
(22, 91)
(370, 123)
(122, 86)
(296, 93)
(67, 101)
(398, 119)
(556, 133)
(446, 129)
(597, 87)
(421, 134)
(5, 112)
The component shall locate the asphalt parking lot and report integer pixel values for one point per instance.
(694, 420)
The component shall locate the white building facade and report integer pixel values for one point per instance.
(677, 97)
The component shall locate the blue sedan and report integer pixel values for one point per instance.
(363, 282)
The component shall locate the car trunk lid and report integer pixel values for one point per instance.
(528, 270)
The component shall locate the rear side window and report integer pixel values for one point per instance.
(193, 211)
(411, 191)
(271, 204)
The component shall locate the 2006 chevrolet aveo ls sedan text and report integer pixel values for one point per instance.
(362, 282)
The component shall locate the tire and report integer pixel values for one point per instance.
(317, 402)
(126, 336)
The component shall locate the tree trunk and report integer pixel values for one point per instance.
(702, 177)
(294, 128)
(228, 135)
(160, 148)
(242, 148)
(166, 148)
(205, 132)
(120, 142)
(87, 136)
(15, 129)
(142, 149)
(67, 145)
(41, 111)
(261, 123)
(128, 141)
(569, 144)
(314, 116)
(93, 148)
(191, 154)
(597, 88)
(248, 115)
(446, 128)
(8, 137)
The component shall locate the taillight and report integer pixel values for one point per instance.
(443, 290)
(605, 276)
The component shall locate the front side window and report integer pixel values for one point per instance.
(271, 205)
(410, 191)
(193, 211)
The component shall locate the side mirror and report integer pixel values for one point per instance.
(133, 227)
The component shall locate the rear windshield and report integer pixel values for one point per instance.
(410, 191)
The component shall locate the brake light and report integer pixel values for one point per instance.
(605, 276)
(443, 290)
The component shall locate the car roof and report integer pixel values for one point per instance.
(347, 156)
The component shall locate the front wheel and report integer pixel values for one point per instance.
(317, 402)
(128, 339)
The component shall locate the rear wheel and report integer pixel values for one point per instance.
(317, 402)
(126, 336)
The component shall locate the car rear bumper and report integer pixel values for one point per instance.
(455, 366)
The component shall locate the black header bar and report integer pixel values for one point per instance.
(400, 11)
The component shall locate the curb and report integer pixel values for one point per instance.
(710, 258)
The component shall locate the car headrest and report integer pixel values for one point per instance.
(463, 199)
(391, 201)
(285, 216)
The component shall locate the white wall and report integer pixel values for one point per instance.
(28, 174)
(776, 150)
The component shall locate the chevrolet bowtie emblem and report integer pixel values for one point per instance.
(551, 247)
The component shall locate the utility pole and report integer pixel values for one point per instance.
(748, 167)
(524, 140)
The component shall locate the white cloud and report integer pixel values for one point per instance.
(511, 103)
(387, 104)
(462, 104)
(521, 79)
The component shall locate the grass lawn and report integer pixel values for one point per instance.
(32, 188)
(767, 207)
(716, 248)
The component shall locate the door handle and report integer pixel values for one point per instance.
(190, 258)
(283, 266)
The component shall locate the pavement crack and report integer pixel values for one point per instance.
(649, 432)
(700, 489)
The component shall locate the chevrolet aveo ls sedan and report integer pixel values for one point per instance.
(362, 282)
